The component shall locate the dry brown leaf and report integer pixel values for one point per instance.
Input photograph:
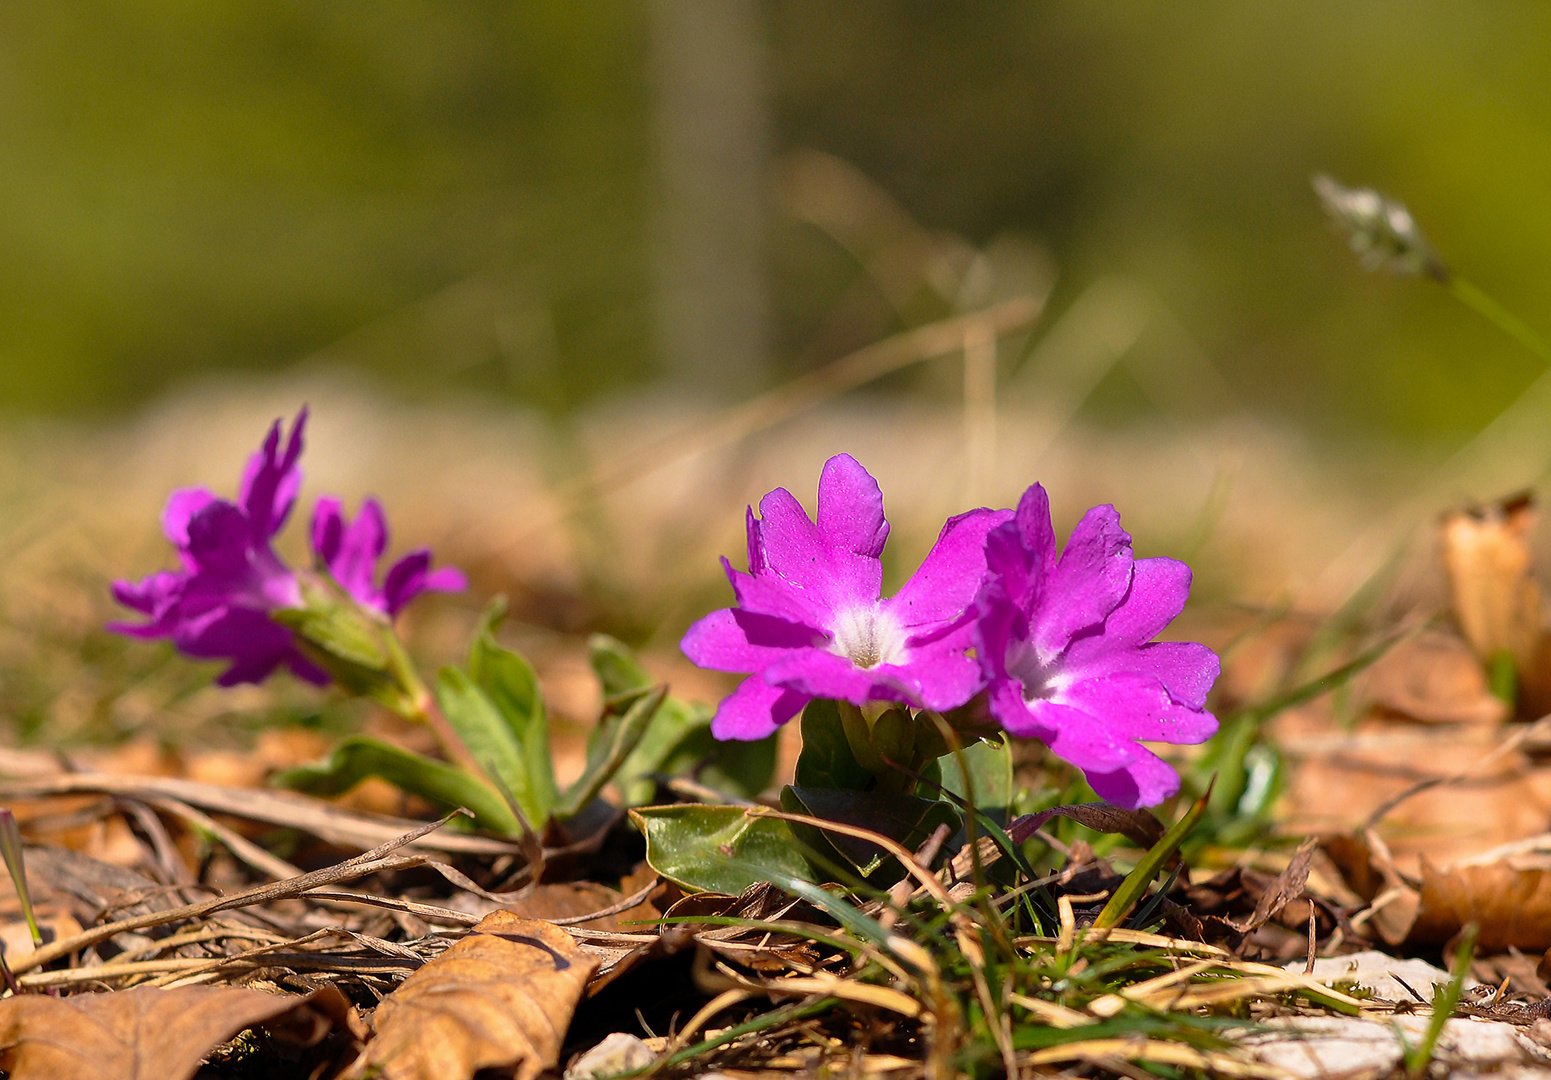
(147, 1033)
(1434, 677)
(1491, 578)
(1287, 886)
(1481, 793)
(500, 998)
(1512, 907)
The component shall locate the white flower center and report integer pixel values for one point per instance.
(867, 638)
(1041, 678)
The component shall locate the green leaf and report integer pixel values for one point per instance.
(511, 685)
(491, 741)
(602, 766)
(983, 770)
(446, 786)
(826, 760)
(1136, 882)
(678, 742)
(907, 819)
(346, 642)
(732, 766)
(616, 665)
(721, 849)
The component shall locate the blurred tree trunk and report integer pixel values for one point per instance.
(712, 144)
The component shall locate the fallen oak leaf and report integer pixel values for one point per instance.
(148, 1033)
(501, 998)
(1512, 906)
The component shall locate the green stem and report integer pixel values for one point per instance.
(416, 704)
(1499, 316)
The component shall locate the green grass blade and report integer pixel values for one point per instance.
(1136, 882)
(11, 849)
(1445, 1000)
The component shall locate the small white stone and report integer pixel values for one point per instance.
(618, 1053)
(1360, 1048)
(1380, 975)
(1328, 1047)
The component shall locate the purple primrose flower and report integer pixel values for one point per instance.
(217, 605)
(350, 551)
(1067, 651)
(810, 621)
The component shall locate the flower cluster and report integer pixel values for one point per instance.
(218, 605)
(1059, 642)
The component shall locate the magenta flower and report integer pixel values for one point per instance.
(810, 621)
(217, 605)
(350, 551)
(1066, 647)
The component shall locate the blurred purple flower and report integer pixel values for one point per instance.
(350, 551)
(810, 621)
(217, 606)
(1066, 646)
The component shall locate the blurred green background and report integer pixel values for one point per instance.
(555, 202)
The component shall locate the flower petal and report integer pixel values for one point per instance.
(756, 545)
(1075, 736)
(328, 529)
(798, 552)
(1035, 529)
(734, 639)
(1021, 554)
(755, 710)
(1159, 589)
(821, 673)
(254, 642)
(1146, 781)
(447, 579)
(405, 580)
(1119, 769)
(1136, 706)
(1186, 670)
(944, 676)
(271, 480)
(851, 508)
(220, 538)
(361, 544)
(770, 594)
(151, 596)
(1088, 582)
(951, 574)
(182, 505)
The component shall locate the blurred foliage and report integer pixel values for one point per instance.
(462, 194)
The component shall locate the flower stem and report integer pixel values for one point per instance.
(417, 704)
(1489, 309)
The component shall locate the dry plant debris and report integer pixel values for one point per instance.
(151, 1034)
(500, 998)
(402, 965)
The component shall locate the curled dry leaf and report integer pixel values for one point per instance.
(147, 1033)
(1512, 907)
(1436, 678)
(1487, 557)
(1286, 887)
(501, 998)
